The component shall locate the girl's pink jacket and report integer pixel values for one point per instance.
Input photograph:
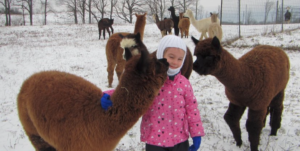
(173, 115)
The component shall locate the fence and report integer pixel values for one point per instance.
(259, 12)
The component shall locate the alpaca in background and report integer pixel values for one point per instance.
(114, 53)
(257, 80)
(105, 23)
(175, 19)
(214, 28)
(184, 25)
(201, 25)
(164, 26)
(60, 111)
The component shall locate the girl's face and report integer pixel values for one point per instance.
(174, 57)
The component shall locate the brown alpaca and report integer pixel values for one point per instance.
(114, 52)
(184, 25)
(105, 23)
(257, 80)
(164, 26)
(214, 28)
(60, 111)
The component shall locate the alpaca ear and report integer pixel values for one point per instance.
(216, 43)
(143, 63)
(127, 54)
(195, 40)
(138, 36)
(121, 36)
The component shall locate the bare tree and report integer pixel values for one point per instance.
(100, 5)
(72, 5)
(46, 10)
(126, 9)
(113, 3)
(90, 10)
(27, 5)
(82, 9)
(6, 4)
(184, 4)
(268, 7)
(157, 7)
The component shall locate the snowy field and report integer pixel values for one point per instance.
(25, 50)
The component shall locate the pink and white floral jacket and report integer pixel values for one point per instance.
(173, 115)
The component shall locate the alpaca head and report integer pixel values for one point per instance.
(132, 45)
(214, 17)
(155, 17)
(111, 21)
(188, 13)
(141, 17)
(146, 71)
(171, 8)
(208, 54)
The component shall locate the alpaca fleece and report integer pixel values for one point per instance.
(61, 111)
(257, 80)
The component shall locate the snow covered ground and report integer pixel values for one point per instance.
(76, 49)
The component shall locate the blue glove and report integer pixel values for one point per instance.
(196, 143)
(105, 101)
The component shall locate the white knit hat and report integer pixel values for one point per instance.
(167, 42)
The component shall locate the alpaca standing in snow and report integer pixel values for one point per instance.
(257, 80)
(184, 25)
(214, 28)
(61, 111)
(201, 25)
(114, 53)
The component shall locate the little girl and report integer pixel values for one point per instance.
(174, 114)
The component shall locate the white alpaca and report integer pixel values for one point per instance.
(201, 25)
(214, 28)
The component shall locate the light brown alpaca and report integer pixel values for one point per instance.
(214, 28)
(115, 61)
(62, 112)
(257, 80)
(164, 26)
(184, 25)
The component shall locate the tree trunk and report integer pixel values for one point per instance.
(45, 12)
(75, 12)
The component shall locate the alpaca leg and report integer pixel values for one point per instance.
(104, 33)
(254, 126)
(162, 33)
(276, 108)
(99, 34)
(176, 31)
(110, 71)
(201, 37)
(181, 33)
(232, 118)
(107, 29)
(112, 30)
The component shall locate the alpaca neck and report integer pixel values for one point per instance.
(233, 73)
(192, 19)
(130, 103)
(139, 27)
(173, 14)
